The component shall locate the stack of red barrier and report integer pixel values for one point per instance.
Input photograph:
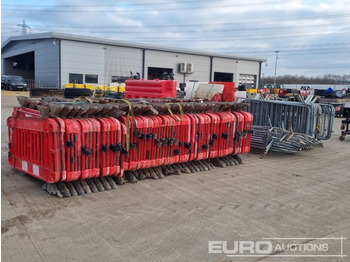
(56, 149)
(150, 88)
(91, 152)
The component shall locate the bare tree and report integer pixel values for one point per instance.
(296, 79)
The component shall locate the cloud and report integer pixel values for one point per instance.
(309, 34)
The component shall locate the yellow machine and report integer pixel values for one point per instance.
(252, 91)
(74, 85)
(274, 91)
(274, 88)
(101, 90)
(72, 90)
(114, 90)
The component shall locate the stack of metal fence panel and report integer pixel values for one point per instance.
(325, 121)
(80, 147)
(306, 118)
(281, 140)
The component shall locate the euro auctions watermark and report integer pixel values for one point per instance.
(280, 247)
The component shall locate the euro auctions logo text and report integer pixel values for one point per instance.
(240, 247)
(280, 247)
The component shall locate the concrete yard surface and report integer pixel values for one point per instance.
(303, 196)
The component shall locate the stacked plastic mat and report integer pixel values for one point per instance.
(85, 146)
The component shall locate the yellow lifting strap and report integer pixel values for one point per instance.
(171, 112)
(132, 115)
(80, 98)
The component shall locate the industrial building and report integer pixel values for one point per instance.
(55, 59)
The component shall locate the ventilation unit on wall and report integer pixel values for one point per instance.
(186, 68)
(189, 68)
(183, 68)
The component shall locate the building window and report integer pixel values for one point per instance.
(76, 78)
(158, 72)
(223, 77)
(91, 79)
(119, 79)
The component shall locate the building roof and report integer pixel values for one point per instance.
(126, 44)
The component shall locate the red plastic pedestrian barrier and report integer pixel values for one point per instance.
(170, 138)
(145, 127)
(190, 145)
(202, 136)
(228, 94)
(72, 148)
(247, 127)
(187, 138)
(157, 144)
(127, 165)
(34, 147)
(162, 140)
(57, 149)
(215, 135)
(90, 147)
(150, 88)
(237, 148)
(123, 152)
(111, 147)
(140, 156)
(105, 157)
(25, 112)
(222, 141)
(229, 128)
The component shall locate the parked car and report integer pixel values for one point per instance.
(4, 81)
(13, 82)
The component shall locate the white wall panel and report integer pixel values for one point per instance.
(162, 59)
(82, 58)
(236, 67)
(119, 61)
(225, 65)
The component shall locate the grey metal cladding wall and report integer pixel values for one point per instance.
(119, 61)
(20, 47)
(46, 56)
(82, 58)
(201, 64)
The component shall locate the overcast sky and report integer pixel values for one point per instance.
(312, 36)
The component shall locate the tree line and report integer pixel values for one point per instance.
(296, 79)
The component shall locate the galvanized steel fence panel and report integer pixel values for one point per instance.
(312, 119)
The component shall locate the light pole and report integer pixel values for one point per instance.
(274, 81)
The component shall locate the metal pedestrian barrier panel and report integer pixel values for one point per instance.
(280, 140)
(307, 118)
(325, 121)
